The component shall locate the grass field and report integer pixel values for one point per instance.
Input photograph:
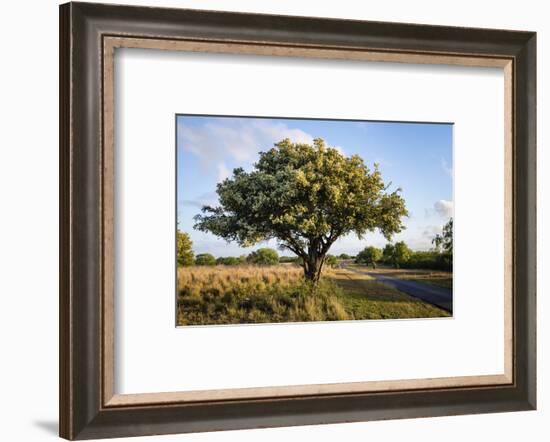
(252, 294)
(366, 298)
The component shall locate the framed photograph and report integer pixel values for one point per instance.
(271, 221)
(304, 231)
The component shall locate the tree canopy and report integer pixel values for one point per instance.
(205, 259)
(397, 254)
(185, 249)
(305, 196)
(444, 241)
(264, 256)
(369, 255)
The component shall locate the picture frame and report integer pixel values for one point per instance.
(89, 34)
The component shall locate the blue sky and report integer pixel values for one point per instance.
(414, 156)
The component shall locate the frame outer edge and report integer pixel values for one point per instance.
(80, 226)
(65, 393)
(81, 414)
(526, 213)
(532, 131)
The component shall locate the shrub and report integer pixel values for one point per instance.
(205, 259)
(431, 260)
(228, 261)
(264, 256)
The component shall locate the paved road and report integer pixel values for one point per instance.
(438, 296)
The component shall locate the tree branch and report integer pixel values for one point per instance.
(293, 246)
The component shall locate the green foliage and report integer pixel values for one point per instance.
(264, 256)
(401, 252)
(205, 259)
(230, 261)
(444, 242)
(431, 260)
(184, 249)
(331, 261)
(387, 253)
(306, 197)
(396, 254)
(369, 256)
(345, 256)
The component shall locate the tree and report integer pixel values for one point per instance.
(306, 197)
(387, 253)
(369, 255)
(344, 256)
(264, 256)
(401, 253)
(444, 241)
(331, 261)
(205, 259)
(396, 254)
(185, 249)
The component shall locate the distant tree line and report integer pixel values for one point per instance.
(399, 255)
(263, 257)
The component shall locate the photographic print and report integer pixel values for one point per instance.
(298, 220)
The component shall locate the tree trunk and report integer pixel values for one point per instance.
(373, 265)
(312, 269)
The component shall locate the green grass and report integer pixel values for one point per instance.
(365, 298)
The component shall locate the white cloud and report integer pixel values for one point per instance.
(444, 208)
(236, 139)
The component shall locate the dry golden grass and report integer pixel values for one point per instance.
(344, 275)
(226, 277)
(252, 294)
